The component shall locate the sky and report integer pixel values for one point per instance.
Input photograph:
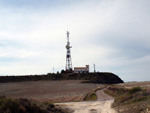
(112, 34)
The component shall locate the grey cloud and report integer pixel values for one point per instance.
(114, 34)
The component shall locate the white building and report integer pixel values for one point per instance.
(81, 69)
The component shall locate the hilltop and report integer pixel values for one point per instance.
(102, 78)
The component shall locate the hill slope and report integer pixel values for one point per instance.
(103, 78)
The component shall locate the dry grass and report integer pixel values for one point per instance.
(8, 105)
(134, 100)
(91, 97)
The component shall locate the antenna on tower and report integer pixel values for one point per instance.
(53, 69)
(94, 68)
(68, 34)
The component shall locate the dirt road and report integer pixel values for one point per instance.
(101, 96)
(102, 105)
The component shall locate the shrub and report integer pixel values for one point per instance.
(113, 91)
(8, 105)
(134, 90)
(135, 100)
(91, 96)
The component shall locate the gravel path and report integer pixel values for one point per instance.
(102, 105)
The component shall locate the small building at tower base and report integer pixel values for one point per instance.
(81, 69)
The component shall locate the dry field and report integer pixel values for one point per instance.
(145, 85)
(51, 91)
(65, 91)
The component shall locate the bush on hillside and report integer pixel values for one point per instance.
(135, 100)
(8, 105)
(134, 90)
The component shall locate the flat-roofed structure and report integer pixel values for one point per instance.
(81, 69)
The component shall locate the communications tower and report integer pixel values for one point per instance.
(68, 55)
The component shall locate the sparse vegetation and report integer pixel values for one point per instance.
(115, 92)
(135, 100)
(8, 105)
(91, 96)
(134, 90)
(103, 78)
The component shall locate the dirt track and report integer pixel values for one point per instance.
(101, 96)
(55, 91)
(102, 105)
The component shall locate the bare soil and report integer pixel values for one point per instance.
(102, 105)
(101, 96)
(50, 91)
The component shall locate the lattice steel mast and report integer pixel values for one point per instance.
(68, 55)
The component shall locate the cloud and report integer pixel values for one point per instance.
(112, 34)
